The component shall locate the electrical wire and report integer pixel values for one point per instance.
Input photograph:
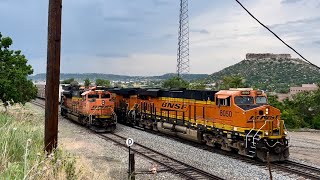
(276, 35)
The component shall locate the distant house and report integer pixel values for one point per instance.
(303, 88)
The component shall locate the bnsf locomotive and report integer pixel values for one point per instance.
(238, 119)
(93, 108)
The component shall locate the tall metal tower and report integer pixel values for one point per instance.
(183, 40)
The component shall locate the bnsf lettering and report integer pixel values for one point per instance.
(225, 113)
(262, 118)
(98, 107)
(173, 105)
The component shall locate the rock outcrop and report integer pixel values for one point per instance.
(254, 56)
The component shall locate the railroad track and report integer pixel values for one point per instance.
(303, 170)
(37, 103)
(171, 164)
(288, 167)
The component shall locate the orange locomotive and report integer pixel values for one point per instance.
(93, 108)
(238, 119)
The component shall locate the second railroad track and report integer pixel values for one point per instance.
(184, 170)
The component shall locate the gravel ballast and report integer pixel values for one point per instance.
(102, 159)
(216, 164)
(304, 147)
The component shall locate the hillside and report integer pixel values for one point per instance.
(113, 77)
(271, 74)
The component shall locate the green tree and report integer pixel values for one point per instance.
(232, 82)
(302, 110)
(87, 82)
(67, 81)
(103, 82)
(14, 85)
(175, 82)
(197, 86)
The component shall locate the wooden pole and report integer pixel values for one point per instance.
(53, 75)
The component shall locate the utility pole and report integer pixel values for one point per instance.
(183, 40)
(53, 75)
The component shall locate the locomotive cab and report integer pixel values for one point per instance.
(98, 103)
(247, 111)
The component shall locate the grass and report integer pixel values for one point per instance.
(21, 149)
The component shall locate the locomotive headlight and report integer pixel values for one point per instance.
(103, 102)
(267, 111)
(266, 133)
(285, 132)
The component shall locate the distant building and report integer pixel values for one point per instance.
(303, 88)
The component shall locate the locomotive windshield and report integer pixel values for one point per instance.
(261, 100)
(243, 100)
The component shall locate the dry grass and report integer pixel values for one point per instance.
(21, 149)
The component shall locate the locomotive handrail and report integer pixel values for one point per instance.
(287, 132)
(253, 126)
(90, 115)
(116, 118)
(265, 122)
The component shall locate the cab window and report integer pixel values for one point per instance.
(243, 100)
(261, 100)
(92, 96)
(105, 96)
(223, 101)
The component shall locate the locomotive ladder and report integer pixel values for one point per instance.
(255, 139)
(90, 116)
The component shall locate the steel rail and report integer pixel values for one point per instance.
(174, 165)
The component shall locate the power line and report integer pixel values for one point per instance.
(276, 35)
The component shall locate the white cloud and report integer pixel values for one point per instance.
(144, 35)
(232, 33)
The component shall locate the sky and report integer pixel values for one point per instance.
(140, 37)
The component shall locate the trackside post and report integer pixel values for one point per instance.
(131, 169)
(53, 75)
